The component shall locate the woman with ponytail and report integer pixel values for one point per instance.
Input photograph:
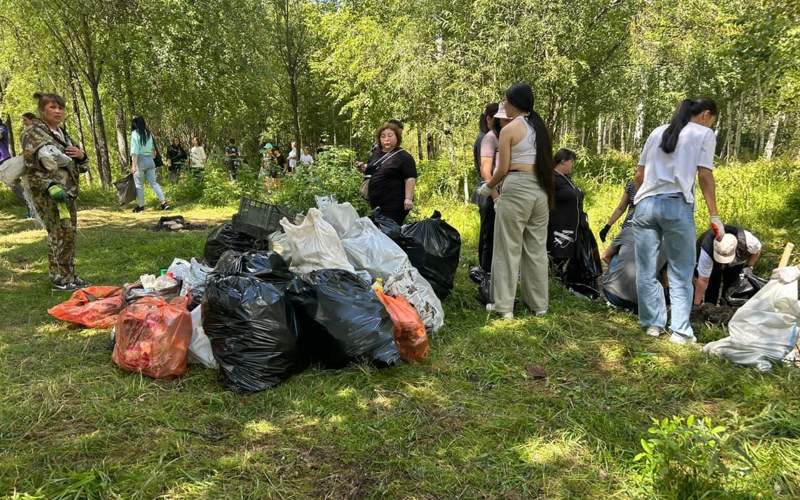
(525, 168)
(673, 156)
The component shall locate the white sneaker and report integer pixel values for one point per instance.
(503, 315)
(682, 339)
(541, 313)
(654, 331)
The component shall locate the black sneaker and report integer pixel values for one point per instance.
(80, 282)
(65, 287)
(165, 206)
(138, 209)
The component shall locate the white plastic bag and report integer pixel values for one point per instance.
(419, 293)
(11, 170)
(277, 243)
(342, 216)
(179, 269)
(370, 250)
(200, 346)
(765, 329)
(314, 245)
(324, 201)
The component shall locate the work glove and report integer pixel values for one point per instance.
(604, 232)
(717, 226)
(748, 271)
(57, 193)
(484, 190)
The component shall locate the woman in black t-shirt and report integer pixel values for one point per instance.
(393, 175)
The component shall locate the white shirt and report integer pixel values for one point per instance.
(197, 155)
(705, 264)
(292, 158)
(307, 159)
(675, 172)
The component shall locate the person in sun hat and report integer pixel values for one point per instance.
(720, 262)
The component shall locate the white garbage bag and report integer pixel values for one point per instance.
(324, 201)
(314, 245)
(277, 243)
(200, 347)
(416, 289)
(764, 330)
(370, 250)
(11, 170)
(192, 273)
(342, 216)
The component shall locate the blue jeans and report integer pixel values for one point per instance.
(665, 220)
(146, 169)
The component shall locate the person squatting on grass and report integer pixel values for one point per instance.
(673, 156)
(53, 165)
(522, 211)
(625, 203)
(142, 164)
(720, 262)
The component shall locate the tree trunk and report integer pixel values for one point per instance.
(79, 120)
(622, 136)
(739, 124)
(10, 136)
(294, 99)
(639, 130)
(419, 144)
(729, 131)
(769, 147)
(122, 139)
(101, 146)
(600, 134)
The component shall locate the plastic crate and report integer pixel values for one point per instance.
(259, 219)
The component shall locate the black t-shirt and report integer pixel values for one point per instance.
(564, 218)
(387, 184)
(231, 152)
(176, 153)
(476, 153)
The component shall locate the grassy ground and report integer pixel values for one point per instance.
(474, 420)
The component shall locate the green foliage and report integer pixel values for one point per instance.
(690, 458)
(331, 174)
(442, 179)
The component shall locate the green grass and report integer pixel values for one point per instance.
(470, 421)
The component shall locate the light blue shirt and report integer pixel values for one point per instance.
(137, 148)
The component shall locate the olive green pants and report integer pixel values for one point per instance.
(520, 244)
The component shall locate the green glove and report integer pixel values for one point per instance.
(63, 210)
(57, 193)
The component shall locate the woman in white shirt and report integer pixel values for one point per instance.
(673, 156)
(306, 158)
(197, 156)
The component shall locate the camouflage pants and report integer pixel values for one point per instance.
(60, 236)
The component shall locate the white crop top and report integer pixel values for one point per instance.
(524, 152)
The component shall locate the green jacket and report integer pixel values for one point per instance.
(40, 176)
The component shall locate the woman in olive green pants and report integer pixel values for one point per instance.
(523, 208)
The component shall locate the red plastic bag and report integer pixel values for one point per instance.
(409, 332)
(153, 336)
(92, 307)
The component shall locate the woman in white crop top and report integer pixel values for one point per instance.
(522, 211)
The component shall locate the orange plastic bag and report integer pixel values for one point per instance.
(153, 336)
(409, 332)
(92, 307)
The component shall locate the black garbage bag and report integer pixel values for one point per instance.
(341, 320)
(268, 266)
(584, 267)
(225, 238)
(433, 247)
(126, 190)
(385, 224)
(250, 323)
(743, 290)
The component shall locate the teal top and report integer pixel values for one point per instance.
(137, 148)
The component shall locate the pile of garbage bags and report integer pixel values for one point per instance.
(328, 288)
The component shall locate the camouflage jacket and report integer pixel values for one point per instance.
(40, 176)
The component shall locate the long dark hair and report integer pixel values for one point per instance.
(140, 127)
(520, 95)
(687, 109)
(488, 112)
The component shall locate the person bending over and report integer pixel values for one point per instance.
(719, 263)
